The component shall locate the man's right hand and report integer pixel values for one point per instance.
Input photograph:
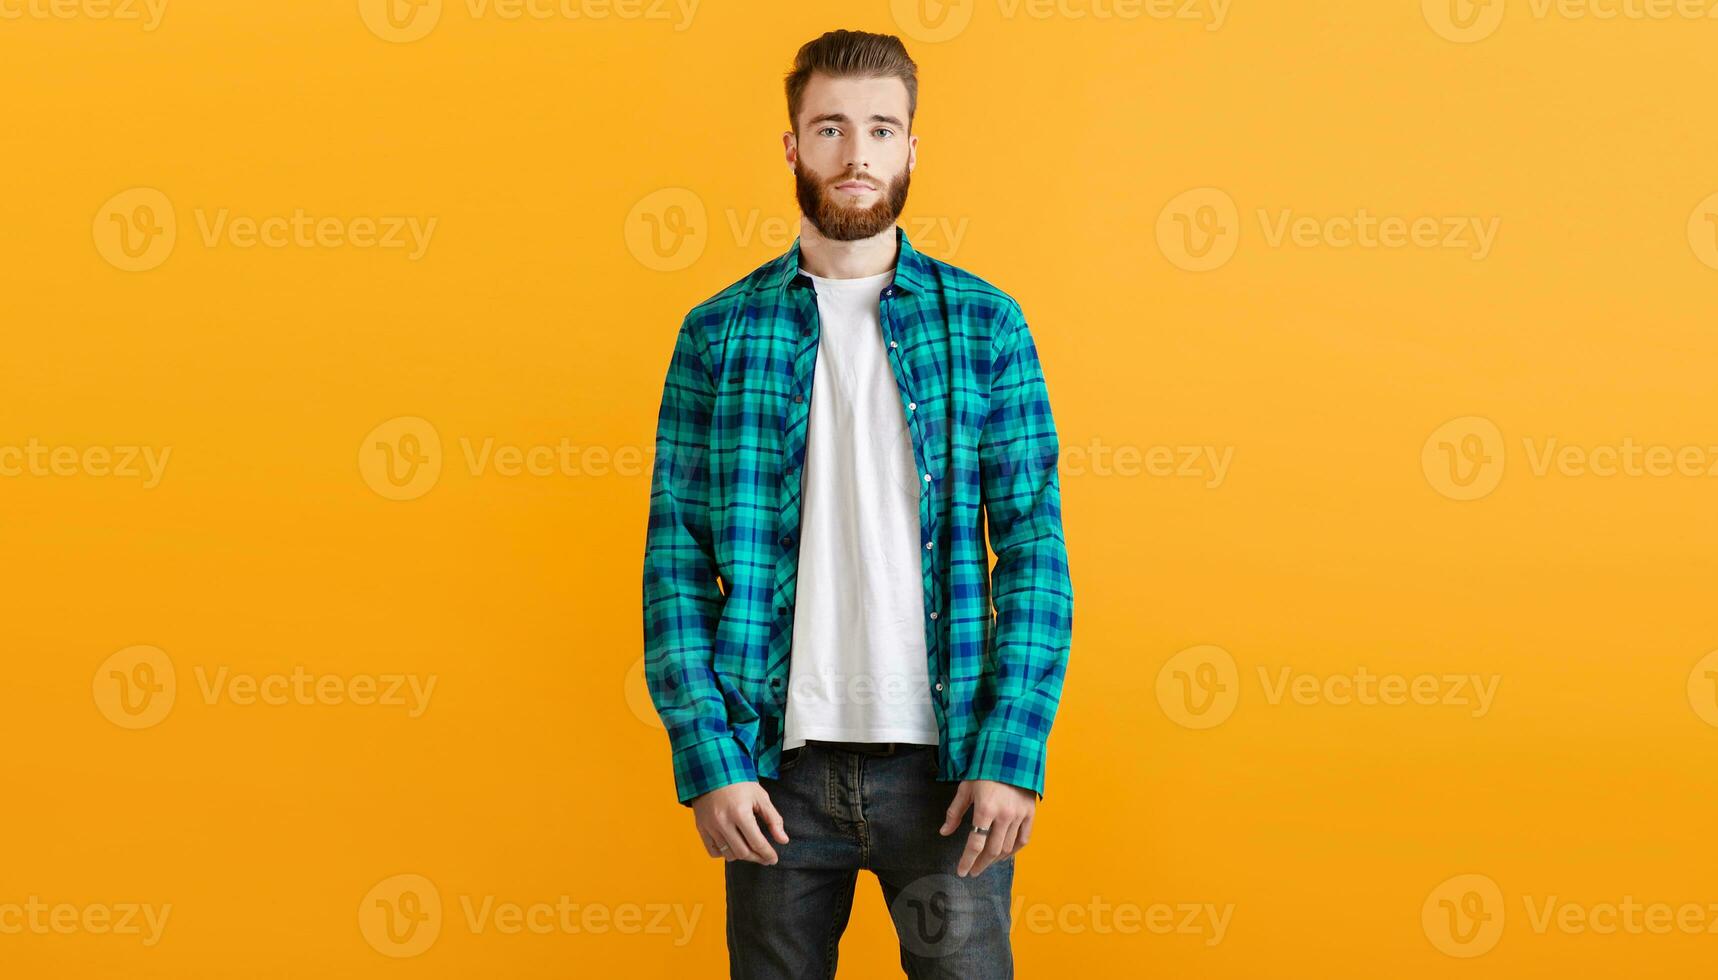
(728, 823)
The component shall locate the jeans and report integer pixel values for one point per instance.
(844, 811)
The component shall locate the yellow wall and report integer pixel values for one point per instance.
(1296, 466)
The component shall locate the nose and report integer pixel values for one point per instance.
(858, 161)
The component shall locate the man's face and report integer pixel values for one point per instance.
(853, 158)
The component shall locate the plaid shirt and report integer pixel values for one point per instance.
(721, 553)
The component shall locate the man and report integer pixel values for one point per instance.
(837, 431)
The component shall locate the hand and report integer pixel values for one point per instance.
(727, 820)
(1006, 810)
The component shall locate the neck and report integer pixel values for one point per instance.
(831, 259)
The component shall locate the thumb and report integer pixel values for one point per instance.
(773, 819)
(956, 809)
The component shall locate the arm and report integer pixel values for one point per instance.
(682, 603)
(1030, 586)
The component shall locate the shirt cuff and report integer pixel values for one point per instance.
(711, 764)
(1006, 757)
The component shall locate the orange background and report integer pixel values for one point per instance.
(1055, 152)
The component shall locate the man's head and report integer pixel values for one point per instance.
(851, 97)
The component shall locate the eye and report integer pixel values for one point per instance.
(827, 131)
(883, 132)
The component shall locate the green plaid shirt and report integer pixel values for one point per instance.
(721, 552)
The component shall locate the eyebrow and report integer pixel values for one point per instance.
(841, 117)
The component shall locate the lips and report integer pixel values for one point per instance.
(854, 186)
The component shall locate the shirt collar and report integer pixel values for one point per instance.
(912, 268)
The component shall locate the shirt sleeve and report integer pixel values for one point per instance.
(682, 598)
(1030, 586)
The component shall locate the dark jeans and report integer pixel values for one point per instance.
(847, 810)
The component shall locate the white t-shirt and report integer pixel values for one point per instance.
(857, 671)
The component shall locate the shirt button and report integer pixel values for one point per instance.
(927, 478)
(892, 344)
(787, 541)
(912, 406)
(939, 685)
(928, 545)
(933, 614)
(797, 399)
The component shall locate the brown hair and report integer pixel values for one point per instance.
(852, 54)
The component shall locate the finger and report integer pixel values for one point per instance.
(762, 852)
(1025, 836)
(985, 851)
(710, 845)
(974, 848)
(962, 799)
(1007, 844)
(736, 841)
(773, 819)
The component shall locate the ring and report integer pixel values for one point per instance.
(981, 831)
(721, 847)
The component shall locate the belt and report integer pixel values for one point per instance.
(862, 748)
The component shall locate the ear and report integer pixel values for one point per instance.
(790, 149)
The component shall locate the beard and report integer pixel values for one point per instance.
(842, 222)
